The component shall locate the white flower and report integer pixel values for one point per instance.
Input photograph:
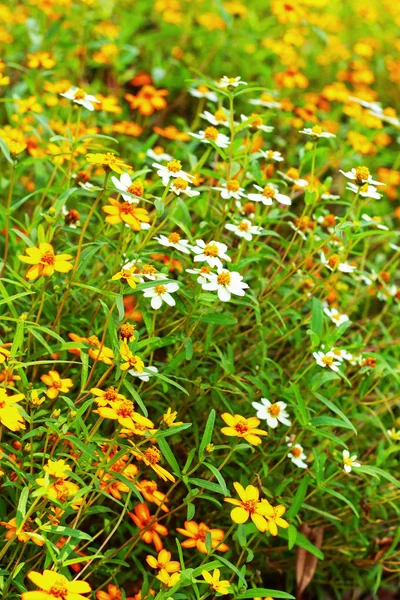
(269, 193)
(225, 283)
(125, 186)
(203, 274)
(213, 135)
(374, 221)
(157, 153)
(394, 435)
(161, 293)
(86, 185)
(180, 186)
(220, 117)
(271, 155)
(366, 190)
(256, 122)
(173, 169)
(349, 461)
(317, 132)
(230, 189)
(342, 354)
(174, 240)
(71, 224)
(297, 456)
(336, 317)
(327, 360)
(245, 229)
(293, 177)
(211, 253)
(267, 101)
(78, 96)
(145, 376)
(360, 175)
(225, 82)
(374, 106)
(203, 92)
(272, 413)
(333, 261)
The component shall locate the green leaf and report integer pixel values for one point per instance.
(303, 542)
(299, 497)
(218, 477)
(262, 592)
(168, 455)
(207, 485)
(336, 410)
(207, 435)
(67, 531)
(330, 422)
(377, 472)
(21, 508)
(317, 317)
(343, 498)
(5, 151)
(218, 319)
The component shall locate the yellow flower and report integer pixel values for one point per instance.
(131, 361)
(239, 426)
(44, 261)
(169, 418)
(123, 412)
(163, 562)
(26, 534)
(55, 586)
(55, 384)
(108, 161)
(221, 587)
(248, 506)
(126, 276)
(57, 468)
(168, 580)
(273, 515)
(151, 457)
(125, 212)
(4, 354)
(40, 59)
(10, 416)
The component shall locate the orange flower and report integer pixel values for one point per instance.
(55, 384)
(106, 397)
(174, 263)
(125, 212)
(171, 133)
(104, 354)
(151, 457)
(239, 426)
(248, 506)
(44, 261)
(112, 486)
(147, 100)
(197, 532)
(54, 586)
(122, 411)
(40, 59)
(150, 529)
(113, 593)
(127, 128)
(163, 562)
(149, 491)
(26, 534)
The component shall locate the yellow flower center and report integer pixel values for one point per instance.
(158, 150)
(152, 455)
(362, 174)
(266, 97)
(274, 410)
(79, 94)
(347, 462)
(269, 192)
(220, 115)
(205, 270)
(317, 129)
(256, 120)
(136, 188)
(180, 184)
(174, 238)
(211, 133)
(160, 289)
(232, 185)
(174, 166)
(270, 155)
(124, 409)
(48, 257)
(243, 226)
(148, 270)
(127, 330)
(224, 278)
(203, 89)
(327, 360)
(293, 173)
(333, 260)
(211, 250)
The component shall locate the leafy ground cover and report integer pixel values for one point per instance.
(199, 301)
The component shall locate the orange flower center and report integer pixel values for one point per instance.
(127, 209)
(202, 532)
(160, 289)
(333, 260)
(250, 506)
(269, 192)
(296, 452)
(180, 184)
(232, 185)
(224, 278)
(211, 133)
(136, 188)
(205, 270)
(256, 121)
(124, 409)
(327, 360)
(79, 94)
(362, 174)
(211, 250)
(149, 487)
(174, 166)
(274, 410)
(48, 257)
(174, 238)
(58, 591)
(241, 427)
(158, 150)
(111, 394)
(152, 455)
(93, 340)
(243, 226)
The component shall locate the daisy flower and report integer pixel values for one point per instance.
(254, 121)
(266, 100)
(220, 117)
(335, 316)
(157, 153)
(212, 134)
(234, 82)
(145, 375)
(203, 92)
(230, 189)
(360, 175)
(203, 274)
(211, 253)
(374, 221)
(297, 455)
(271, 155)
(272, 413)
(225, 283)
(174, 240)
(317, 132)
(180, 185)
(328, 359)
(349, 461)
(366, 190)
(171, 169)
(127, 187)
(160, 294)
(267, 194)
(245, 229)
(293, 176)
(78, 96)
(333, 261)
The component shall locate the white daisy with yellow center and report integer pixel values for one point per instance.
(349, 461)
(212, 253)
(268, 194)
(244, 229)
(272, 413)
(174, 240)
(225, 283)
(230, 189)
(211, 134)
(78, 96)
(226, 82)
(328, 359)
(317, 132)
(336, 317)
(173, 169)
(297, 455)
(161, 293)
